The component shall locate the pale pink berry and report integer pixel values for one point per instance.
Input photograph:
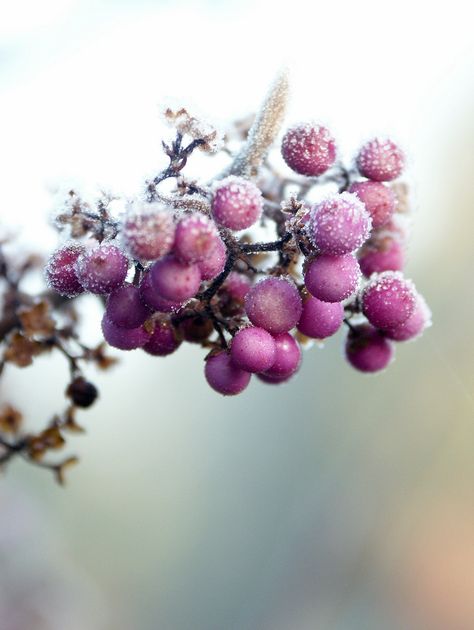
(367, 350)
(151, 298)
(102, 269)
(174, 280)
(414, 325)
(287, 358)
(196, 238)
(381, 254)
(237, 203)
(149, 234)
(388, 299)
(332, 278)
(61, 272)
(380, 160)
(274, 304)
(320, 319)
(237, 286)
(308, 149)
(379, 200)
(224, 376)
(212, 266)
(253, 349)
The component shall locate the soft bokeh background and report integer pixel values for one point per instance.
(340, 502)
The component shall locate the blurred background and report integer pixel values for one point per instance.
(339, 502)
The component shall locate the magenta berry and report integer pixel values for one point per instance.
(164, 339)
(212, 266)
(125, 308)
(273, 380)
(414, 325)
(367, 350)
(103, 269)
(380, 160)
(224, 376)
(149, 234)
(339, 224)
(332, 278)
(378, 199)
(308, 149)
(124, 338)
(388, 300)
(274, 304)
(320, 319)
(382, 254)
(151, 298)
(174, 280)
(253, 349)
(196, 238)
(61, 272)
(237, 203)
(287, 357)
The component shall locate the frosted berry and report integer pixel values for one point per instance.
(287, 357)
(212, 266)
(332, 278)
(103, 269)
(274, 304)
(388, 299)
(151, 298)
(367, 350)
(339, 224)
(380, 160)
(164, 339)
(61, 272)
(224, 376)
(381, 254)
(124, 338)
(149, 234)
(414, 325)
(253, 349)
(125, 307)
(237, 203)
(237, 286)
(196, 238)
(174, 280)
(378, 199)
(308, 149)
(320, 319)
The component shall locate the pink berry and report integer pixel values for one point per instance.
(124, 338)
(237, 286)
(237, 203)
(332, 278)
(380, 160)
(339, 224)
(103, 269)
(61, 273)
(381, 254)
(151, 298)
(378, 199)
(414, 325)
(174, 280)
(274, 304)
(212, 266)
(196, 238)
(225, 377)
(308, 149)
(287, 357)
(149, 234)
(253, 349)
(367, 350)
(320, 319)
(388, 299)
(125, 308)
(164, 339)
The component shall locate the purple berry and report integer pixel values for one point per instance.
(164, 339)
(308, 149)
(61, 273)
(367, 350)
(388, 299)
(103, 269)
(274, 304)
(174, 280)
(237, 203)
(287, 358)
(253, 349)
(381, 254)
(215, 263)
(414, 325)
(320, 319)
(153, 300)
(339, 224)
(149, 235)
(332, 278)
(378, 199)
(124, 338)
(225, 377)
(237, 286)
(196, 238)
(380, 160)
(273, 380)
(125, 308)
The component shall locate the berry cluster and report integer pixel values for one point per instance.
(185, 267)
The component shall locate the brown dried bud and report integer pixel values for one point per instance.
(10, 419)
(36, 319)
(21, 350)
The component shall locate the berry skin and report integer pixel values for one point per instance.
(253, 349)
(273, 380)
(367, 350)
(149, 234)
(237, 286)
(414, 325)
(215, 263)
(103, 269)
(274, 304)
(124, 338)
(339, 224)
(384, 254)
(196, 238)
(308, 149)
(287, 358)
(125, 307)
(378, 199)
(196, 329)
(320, 319)
(388, 299)
(153, 300)
(82, 392)
(332, 278)
(225, 377)
(380, 160)
(61, 273)
(164, 339)
(237, 203)
(174, 280)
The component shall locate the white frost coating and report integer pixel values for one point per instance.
(194, 126)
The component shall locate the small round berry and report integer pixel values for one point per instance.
(378, 199)
(367, 350)
(339, 224)
(414, 325)
(61, 273)
(124, 338)
(125, 307)
(196, 238)
(274, 304)
(148, 234)
(215, 263)
(82, 392)
(253, 349)
(320, 319)
(151, 298)
(332, 278)
(164, 339)
(308, 149)
(237, 203)
(196, 329)
(225, 377)
(388, 299)
(380, 160)
(174, 280)
(103, 269)
(273, 380)
(381, 254)
(287, 357)
(237, 285)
